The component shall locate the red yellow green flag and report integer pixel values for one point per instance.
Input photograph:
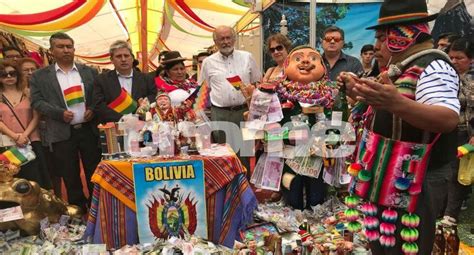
(124, 103)
(14, 156)
(235, 81)
(74, 95)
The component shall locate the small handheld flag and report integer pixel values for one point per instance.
(235, 81)
(203, 98)
(14, 156)
(465, 149)
(124, 103)
(74, 95)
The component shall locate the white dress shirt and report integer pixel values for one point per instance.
(126, 81)
(67, 80)
(217, 68)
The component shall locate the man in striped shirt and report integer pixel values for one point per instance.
(420, 88)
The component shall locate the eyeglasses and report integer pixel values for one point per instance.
(6, 74)
(277, 48)
(12, 56)
(330, 38)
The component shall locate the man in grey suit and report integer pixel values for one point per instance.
(62, 93)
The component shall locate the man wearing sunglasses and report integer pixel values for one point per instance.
(334, 59)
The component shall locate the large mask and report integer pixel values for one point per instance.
(304, 65)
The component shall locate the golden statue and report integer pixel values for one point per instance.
(35, 202)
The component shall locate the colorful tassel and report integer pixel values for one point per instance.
(465, 149)
(387, 241)
(402, 183)
(354, 169)
(371, 222)
(351, 201)
(389, 215)
(409, 234)
(354, 226)
(364, 175)
(351, 214)
(411, 220)
(369, 209)
(410, 248)
(372, 235)
(387, 228)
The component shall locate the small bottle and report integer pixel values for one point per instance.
(305, 226)
(452, 242)
(439, 246)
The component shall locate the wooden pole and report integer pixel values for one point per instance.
(144, 35)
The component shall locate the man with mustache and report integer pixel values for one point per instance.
(334, 59)
(70, 128)
(225, 71)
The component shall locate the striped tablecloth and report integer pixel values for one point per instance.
(112, 220)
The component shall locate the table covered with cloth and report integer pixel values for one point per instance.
(112, 219)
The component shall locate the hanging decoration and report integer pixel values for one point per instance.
(42, 17)
(242, 3)
(390, 178)
(175, 25)
(105, 55)
(74, 19)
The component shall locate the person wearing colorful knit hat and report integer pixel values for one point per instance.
(415, 100)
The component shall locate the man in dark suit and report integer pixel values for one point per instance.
(109, 87)
(62, 93)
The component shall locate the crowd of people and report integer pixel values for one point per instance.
(57, 108)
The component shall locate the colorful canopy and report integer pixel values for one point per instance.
(182, 25)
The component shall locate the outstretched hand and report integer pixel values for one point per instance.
(381, 94)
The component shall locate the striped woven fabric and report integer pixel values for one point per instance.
(386, 160)
(230, 201)
(406, 84)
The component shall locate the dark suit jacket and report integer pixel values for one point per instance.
(47, 98)
(107, 89)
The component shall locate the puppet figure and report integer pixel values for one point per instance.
(305, 93)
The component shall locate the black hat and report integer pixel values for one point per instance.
(172, 56)
(398, 12)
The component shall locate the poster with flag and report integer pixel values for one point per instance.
(124, 103)
(74, 95)
(235, 81)
(170, 199)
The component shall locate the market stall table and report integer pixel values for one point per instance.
(112, 219)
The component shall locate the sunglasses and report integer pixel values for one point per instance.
(277, 48)
(330, 38)
(6, 74)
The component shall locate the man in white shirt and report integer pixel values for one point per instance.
(62, 93)
(225, 71)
